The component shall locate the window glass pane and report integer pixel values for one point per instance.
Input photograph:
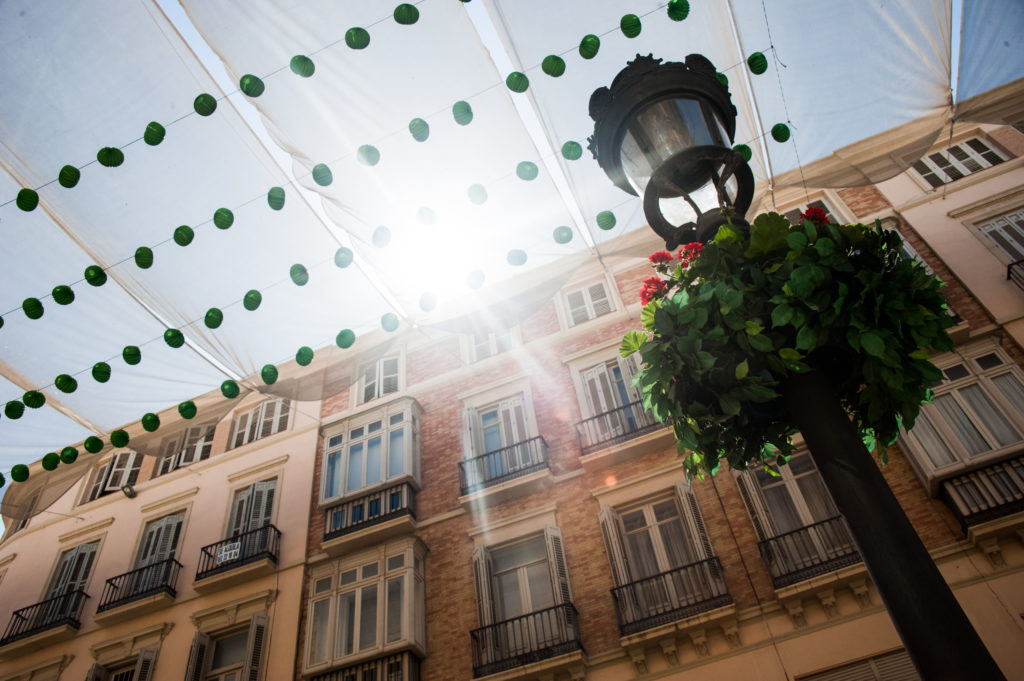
(369, 570)
(368, 618)
(782, 513)
(332, 474)
(355, 467)
(394, 623)
(1012, 390)
(818, 502)
(348, 577)
(961, 425)
(346, 623)
(519, 554)
(395, 562)
(396, 452)
(509, 598)
(374, 427)
(956, 371)
(321, 585)
(491, 430)
(643, 562)
(396, 419)
(229, 650)
(321, 622)
(989, 361)
(931, 442)
(996, 423)
(539, 580)
(373, 452)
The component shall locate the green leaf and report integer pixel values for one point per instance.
(807, 338)
(761, 343)
(742, 369)
(790, 355)
(825, 246)
(647, 316)
(796, 241)
(753, 328)
(920, 353)
(782, 315)
(771, 471)
(730, 405)
(632, 342)
(767, 234)
(872, 344)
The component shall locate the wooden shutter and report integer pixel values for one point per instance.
(482, 572)
(599, 300)
(471, 443)
(1007, 233)
(197, 657)
(389, 375)
(261, 506)
(73, 569)
(752, 499)
(97, 673)
(578, 312)
(694, 521)
(370, 381)
(559, 569)
(144, 665)
(240, 511)
(251, 671)
(613, 543)
(627, 365)
(238, 438)
(100, 479)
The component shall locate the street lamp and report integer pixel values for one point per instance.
(661, 131)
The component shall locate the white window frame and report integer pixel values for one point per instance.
(200, 655)
(119, 470)
(345, 577)
(243, 515)
(193, 444)
(962, 158)
(376, 380)
(492, 396)
(1010, 227)
(928, 470)
(834, 209)
(267, 418)
(485, 343)
(338, 439)
(591, 307)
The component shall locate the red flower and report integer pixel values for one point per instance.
(653, 287)
(690, 252)
(815, 215)
(660, 258)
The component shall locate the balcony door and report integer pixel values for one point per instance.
(497, 436)
(606, 389)
(251, 510)
(72, 574)
(158, 547)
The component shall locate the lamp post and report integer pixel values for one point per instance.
(660, 131)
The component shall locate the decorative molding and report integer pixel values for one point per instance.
(80, 532)
(473, 394)
(827, 598)
(231, 613)
(731, 631)
(658, 477)
(796, 613)
(577, 672)
(169, 501)
(990, 545)
(669, 650)
(535, 519)
(700, 642)
(8, 559)
(115, 650)
(258, 469)
(50, 668)
(859, 587)
(639, 657)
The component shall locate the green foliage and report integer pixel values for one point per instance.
(754, 309)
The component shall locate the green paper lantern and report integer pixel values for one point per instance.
(204, 104)
(174, 338)
(69, 176)
(214, 318)
(150, 422)
(111, 157)
(34, 399)
(101, 372)
(780, 132)
(572, 151)
(303, 356)
(19, 472)
(589, 46)
(92, 444)
(32, 307)
(63, 295)
(144, 257)
(66, 383)
(269, 374)
(477, 194)
(275, 198)
(131, 354)
(462, 112)
(562, 234)
(322, 175)
(343, 257)
(407, 14)
(744, 151)
(27, 200)
(527, 170)
(251, 85)
(183, 235)
(517, 82)
(426, 215)
(14, 409)
(722, 78)
(187, 409)
(119, 438)
(381, 237)
(299, 275)
(516, 257)
(757, 63)
(368, 155)
(223, 218)
(553, 65)
(50, 461)
(70, 454)
(95, 275)
(606, 220)
(389, 321)
(229, 389)
(678, 9)
(154, 134)
(630, 25)
(1, 322)
(419, 129)
(252, 300)
(357, 38)
(345, 338)
(428, 301)
(301, 65)
(475, 279)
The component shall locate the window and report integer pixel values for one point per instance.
(160, 540)
(958, 161)
(194, 444)
(485, 343)
(122, 469)
(1006, 233)
(64, 597)
(30, 509)
(234, 656)
(977, 412)
(587, 303)
(894, 666)
(378, 378)
(366, 603)
(499, 443)
(252, 507)
(139, 669)
(371, 449)
(793, 215)
(265, 419)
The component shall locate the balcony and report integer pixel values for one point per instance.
(505, 468)
(1015, 273)
(809, 551)
(670, 596)
(58, 617)
(400, 667)
(535, 637)
(234, 560)
(371, 518)
(615, 427)
(986, 493)
(141, 589)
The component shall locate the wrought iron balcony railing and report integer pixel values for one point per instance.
(670, 596)
(529, 638)
(48, 614)
(502, 465)
(1015, 273)
(140, 583)
(809, 551)
(371, 509)
(987, 493)
(615, 426)
(245, 548)
(400, 667)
